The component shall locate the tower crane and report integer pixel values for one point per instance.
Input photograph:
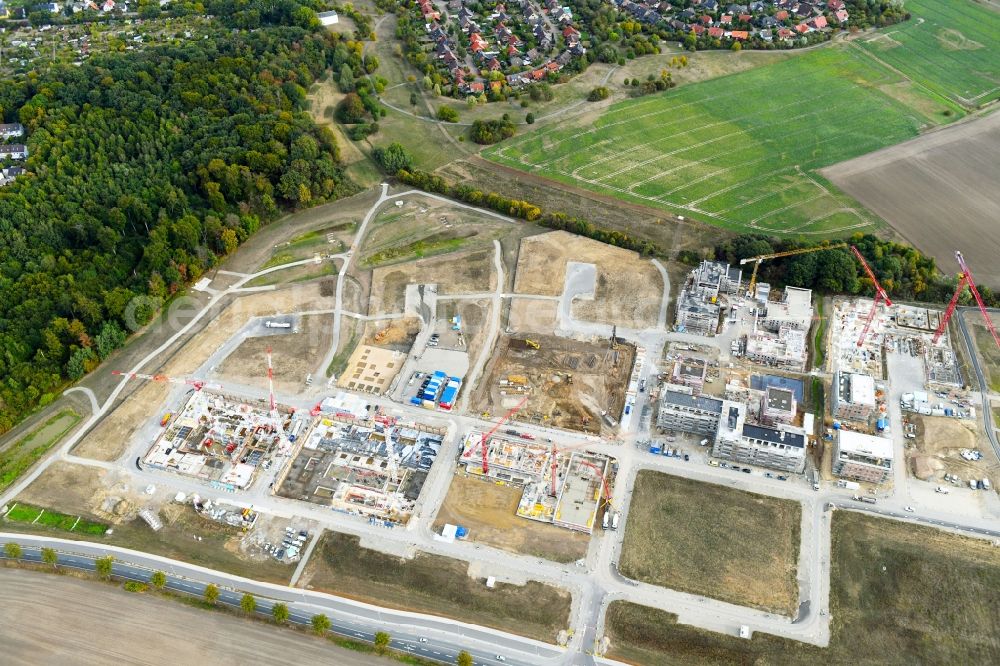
(752, 287)
(880, 295)
(273, 407)
(198, 384)
(483, 442)
(604, 481)
(965, 278)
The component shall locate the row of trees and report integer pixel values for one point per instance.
(903, 271)
(103, 567)
(145, 168)
(525, 210)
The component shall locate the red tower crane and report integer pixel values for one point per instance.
(486, 437)
(600, 475)
(880, 295)
(198, 384)
(965, 278)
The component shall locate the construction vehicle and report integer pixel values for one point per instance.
(532, 343)
(880, 296)
(752, 287)
(965, 278)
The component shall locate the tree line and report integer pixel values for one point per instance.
(525, 210)
(903, 271)
(144, 169)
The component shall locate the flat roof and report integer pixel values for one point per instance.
(857, 389)
(694, 401)
(774, 435)
(850, 441)
(779, 398)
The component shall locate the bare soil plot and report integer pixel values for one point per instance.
(528, 315)
(628, 290)
(436, 585)
(571, 382)
(938, 445)
(715, 541)
(488, 510)
(294, 355)
(109, 439)
(186, 536)
(938, 191)
(475, 320)
(900, 594)
(456, 273)
(68, 614)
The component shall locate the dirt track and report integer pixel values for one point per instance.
(51, 619)
(939, 191)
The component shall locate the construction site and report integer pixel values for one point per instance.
(564, 487)
(568, 383)
(222, 439)
(857, 343)
(373, 466)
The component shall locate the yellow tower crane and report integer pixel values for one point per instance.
(752, 288)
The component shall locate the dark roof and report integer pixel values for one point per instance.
(779, 398)
(774, 436)
(693, 401)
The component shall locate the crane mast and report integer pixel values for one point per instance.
(486, 437)
(880, 295)
(975, 294)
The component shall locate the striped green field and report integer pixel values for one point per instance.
(742, 151)
(951, 47)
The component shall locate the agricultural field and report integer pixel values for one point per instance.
(937, 191)
(741, 151)
(899, 594)
(714, 541)
(949, 46)
(436, 585)
(19, 456)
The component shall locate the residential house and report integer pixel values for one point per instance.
(11, 130)
(16, 151)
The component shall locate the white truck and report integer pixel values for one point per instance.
(614, 520)
(607, 520)
(850, 485)
(744, 631)
(277, 324)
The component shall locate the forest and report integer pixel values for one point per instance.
(144, 169)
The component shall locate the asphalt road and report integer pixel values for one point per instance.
(984, 387)
(52, 619)
(440, 640)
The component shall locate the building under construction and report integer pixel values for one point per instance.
(566, 490)
(376, 466)
(221, 439)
